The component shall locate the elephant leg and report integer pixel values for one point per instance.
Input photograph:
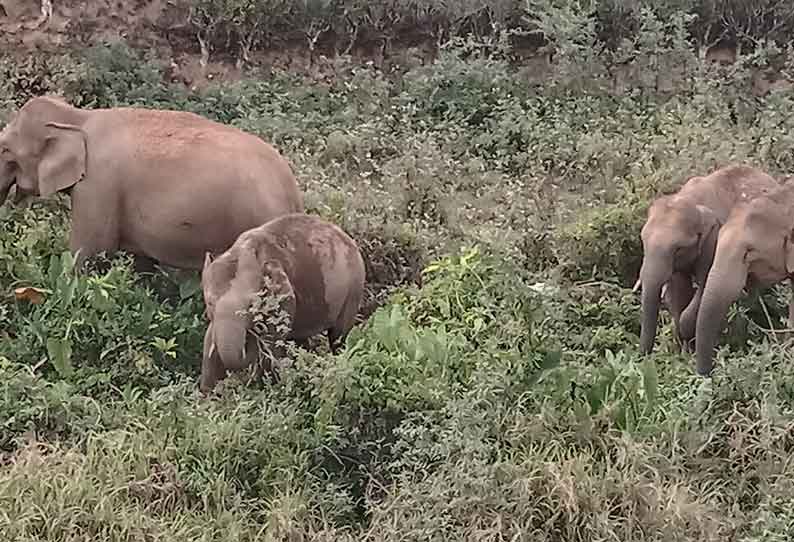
(790, 334)
(19, 195)
(94, 225)
(678, 297)
(688, 320)
(302, 342)
(333, 341)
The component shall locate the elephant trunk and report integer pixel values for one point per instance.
(230, 330)
(724, 284)
(230, 340)
(653, 276)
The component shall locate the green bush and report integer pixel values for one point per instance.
(493, 387)
(103, 331)
(605, 243)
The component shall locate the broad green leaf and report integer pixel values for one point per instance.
(650, 379)
(60, 354)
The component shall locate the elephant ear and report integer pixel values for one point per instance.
(216, 284)
(707, 242)
(208, 259)
(279, 280)
(63, 160)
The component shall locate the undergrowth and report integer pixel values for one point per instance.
(493, 388)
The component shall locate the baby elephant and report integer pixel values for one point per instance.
(315, 265)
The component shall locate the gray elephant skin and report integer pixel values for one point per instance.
(755, 250)
(679, 238)
(314, 264)
(167, 186)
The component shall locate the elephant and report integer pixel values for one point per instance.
(679, 237)
(166, 186)
(313, 264)
(755, 249)
(7, 183)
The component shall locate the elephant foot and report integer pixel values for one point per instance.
(703, 373)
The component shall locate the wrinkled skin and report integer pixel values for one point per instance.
(315, 265)
(755, 250)
(679, 238)
(166, 186)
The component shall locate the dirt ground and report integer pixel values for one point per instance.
(153, 24)
(162, 25)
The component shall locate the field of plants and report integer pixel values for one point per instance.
(493, 389)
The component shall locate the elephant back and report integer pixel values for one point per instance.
(323, 263)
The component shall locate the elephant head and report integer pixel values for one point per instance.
(756, 245)
(676, 236)
(43, 148)
(231, 284)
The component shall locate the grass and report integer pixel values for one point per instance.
(494, 390)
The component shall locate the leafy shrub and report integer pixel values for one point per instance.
(46, 410)
(487, 394)
(605, 243)
(28, 238)
(34, 75)
(102, 331)
(117, 75)
(393, 258)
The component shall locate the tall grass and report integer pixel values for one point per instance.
(494, 391)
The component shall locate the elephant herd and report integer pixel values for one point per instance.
(176, 188)
(720, 233)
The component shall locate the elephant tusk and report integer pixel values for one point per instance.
(664, 289)
(212, 348)
(637, 285)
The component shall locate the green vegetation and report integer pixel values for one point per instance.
(496, 391)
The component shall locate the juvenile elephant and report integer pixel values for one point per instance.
(679, 237)
(755, 249)
(315, 265)
(164, 185)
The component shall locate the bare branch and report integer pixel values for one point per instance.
(205, 52)
(46, 13)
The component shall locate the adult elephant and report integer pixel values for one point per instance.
(167, 186)
(679, 239)
(755, 249)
